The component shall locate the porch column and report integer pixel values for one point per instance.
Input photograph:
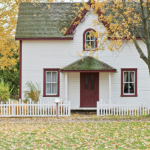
(109, 86)
(66, 86)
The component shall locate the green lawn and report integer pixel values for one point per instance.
(75, 135)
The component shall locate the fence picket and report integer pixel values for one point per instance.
(101, 107)
(127, 108)
(12, 107)
(9, 107)
(61, 106)
(34, 109)
(119, 108)
(97, 108)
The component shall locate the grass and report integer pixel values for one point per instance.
(75, 135)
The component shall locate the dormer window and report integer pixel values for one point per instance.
(89, 40)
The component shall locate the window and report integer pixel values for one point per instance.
(51, 83)
(86, 82)
(128, 82)
(89, 40)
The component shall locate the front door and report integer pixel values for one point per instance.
(89, 89)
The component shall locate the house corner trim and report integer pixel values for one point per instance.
(20, 71)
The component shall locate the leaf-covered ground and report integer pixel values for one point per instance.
(75, 135)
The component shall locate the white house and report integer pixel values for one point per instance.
(50, 59)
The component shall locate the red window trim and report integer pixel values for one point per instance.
(44, 81)
(84, 38)
(129, 69)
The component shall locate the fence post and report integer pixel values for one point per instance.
(30, 106)
(101, 107)
(1, 108)
(97, 108)
(148, 107)
(127, 108)
(9, 106)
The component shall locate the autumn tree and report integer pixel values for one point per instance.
(124, 20)
(8, 19)
(9, 48)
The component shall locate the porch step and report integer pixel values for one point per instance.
(86, 108)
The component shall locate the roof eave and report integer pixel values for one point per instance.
(53, 38)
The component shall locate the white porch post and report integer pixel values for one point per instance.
(109, 86)
(66, 86)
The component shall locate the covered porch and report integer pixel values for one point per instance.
(83, 82)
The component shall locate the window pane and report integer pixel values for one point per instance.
(48, 76)
(131, 76)
(86, 44)
(87, 36)
(92, 82)
(54, 76)
(125, 87)
(131, 87)
(93, 37)
(86, 82)
(54, 88)
(92, 44)
(125, 76)
(48, 88)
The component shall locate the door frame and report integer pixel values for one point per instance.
(81, 88)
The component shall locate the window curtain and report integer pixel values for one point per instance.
(125, 78)
(132, 76)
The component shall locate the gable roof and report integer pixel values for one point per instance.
(37, 21)
(88, 63)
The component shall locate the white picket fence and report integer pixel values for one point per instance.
(31, 109)
(121, 108)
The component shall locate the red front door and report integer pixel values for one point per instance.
(89, 89)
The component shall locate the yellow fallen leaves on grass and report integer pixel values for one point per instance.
(75, 135)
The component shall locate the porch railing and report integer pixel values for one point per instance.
(30, 109)
(123, 109)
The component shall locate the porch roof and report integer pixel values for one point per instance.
(88, 64)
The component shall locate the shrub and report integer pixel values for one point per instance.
(12, 77)
(4, 91)
(33, 91)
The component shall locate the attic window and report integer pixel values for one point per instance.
(89, 41)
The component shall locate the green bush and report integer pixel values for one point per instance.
(12, 77)
(4, 91)
(33, 91)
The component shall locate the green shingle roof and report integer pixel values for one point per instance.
(40, 22)
(37, 21)
(88, 63)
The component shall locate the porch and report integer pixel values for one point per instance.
(84, 81)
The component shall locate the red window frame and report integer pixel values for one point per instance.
(44, 81)
(129, 69)
(90, 29)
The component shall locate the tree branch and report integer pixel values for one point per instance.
(139, 34)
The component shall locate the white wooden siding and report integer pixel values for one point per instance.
(37, 55)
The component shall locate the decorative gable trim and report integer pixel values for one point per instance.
(71, 30)
(20, 72)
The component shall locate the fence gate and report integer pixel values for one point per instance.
(30, 109)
